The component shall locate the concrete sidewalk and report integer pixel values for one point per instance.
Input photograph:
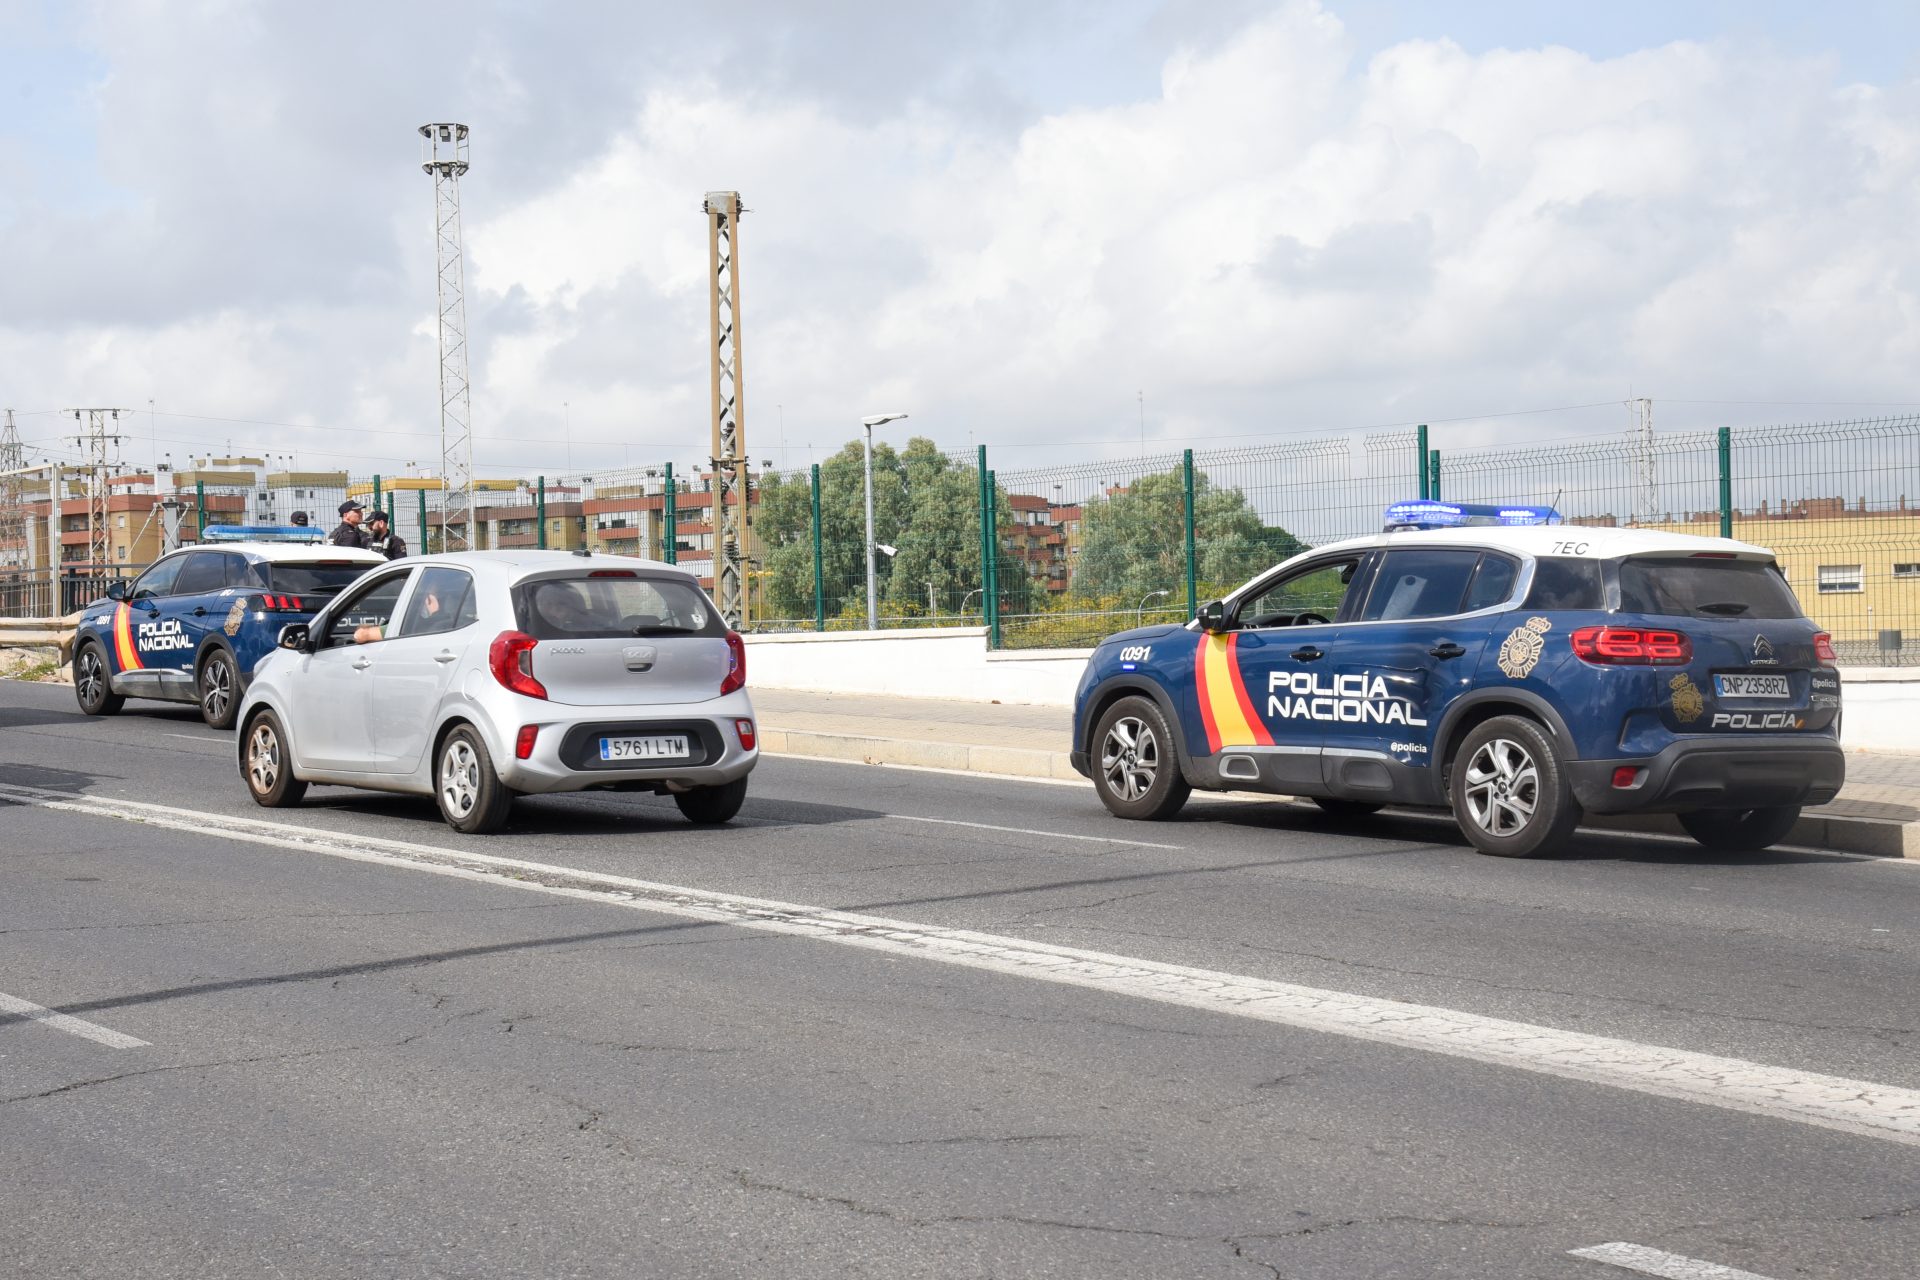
(1877, 813)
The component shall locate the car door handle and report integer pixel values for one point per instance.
(1307, 653)
(361, 664)
(199, 611)
(1448, 649)
(445, 655)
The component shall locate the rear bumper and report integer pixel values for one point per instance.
(565, 755)
(1716, 774)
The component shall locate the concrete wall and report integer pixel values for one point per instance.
(1882, 703)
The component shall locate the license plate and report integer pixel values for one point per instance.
(661, 746)
(1752, 686)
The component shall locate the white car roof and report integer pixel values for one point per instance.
(1595, 542)
(519, 563)
(290, 552)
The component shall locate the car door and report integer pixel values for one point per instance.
(195, 608)
(413, 666)
(1259, 684)
(150, 593)
(1408, 650)
(330, 702)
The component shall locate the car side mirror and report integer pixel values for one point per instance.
(297, 637)
(1213, 617)
(117, 589)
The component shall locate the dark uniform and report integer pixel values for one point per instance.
(348, 535)
(389, 544)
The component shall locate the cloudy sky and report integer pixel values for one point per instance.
(1057, 228)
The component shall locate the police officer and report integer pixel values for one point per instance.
(382, 538)
(300, 518)
(349, 534)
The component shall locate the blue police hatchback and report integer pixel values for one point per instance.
(1520, 672)
(192, 626)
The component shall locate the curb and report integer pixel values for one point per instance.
(1874, 837)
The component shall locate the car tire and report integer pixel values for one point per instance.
(1136, 767)
(91, 688)
(471, 796)
(711, 806)
(1347, 810)
(266, 763)
(219, 687)
(1739, 830)
(1510, 791)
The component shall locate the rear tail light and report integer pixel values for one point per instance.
(511, 657)
(1632, 647)
(736, 663)
(524, 740)
(281, 604)
(745, 729)
(1823, 649)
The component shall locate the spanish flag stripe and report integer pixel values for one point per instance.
(1260, 735)
(1205, 694)
(1224, 705)
(125, 652)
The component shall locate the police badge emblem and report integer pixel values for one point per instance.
(1687, 702)
(1520, 651)
(235, 616)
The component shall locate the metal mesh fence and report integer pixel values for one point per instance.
(1082, 550)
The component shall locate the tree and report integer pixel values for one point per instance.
(1134, 541)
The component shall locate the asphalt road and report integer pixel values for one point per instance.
(367, 1058)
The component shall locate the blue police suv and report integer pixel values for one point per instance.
(1493, 661)
(191, 627)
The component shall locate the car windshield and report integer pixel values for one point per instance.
(309, 577)
(1697, 588)
(604, 605)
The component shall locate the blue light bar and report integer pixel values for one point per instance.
(262, 533)
(1430, 513)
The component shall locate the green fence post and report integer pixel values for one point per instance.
(1433, 475)
(1193, 599)
(423, 522)
(993, 560)
(540, 510)
(672, 519)
(1420, 462)
(819, 570)
(986, 545)
(199, 508)
(377, 505)
(1726, 482)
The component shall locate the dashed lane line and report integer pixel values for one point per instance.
(1656, 1262)
(1030, 831)
(46, 1017)
(1857, 1107)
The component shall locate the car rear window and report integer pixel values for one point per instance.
(601, 606)
(1697, 588)
(1564, 582)
(308, 577)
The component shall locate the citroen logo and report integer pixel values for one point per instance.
(1763, 652)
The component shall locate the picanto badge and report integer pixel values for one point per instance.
(235, 616)
(1520, 652)
(1687, 702)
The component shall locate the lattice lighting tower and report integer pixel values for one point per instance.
(443, 154)
(98, 441)
(1646, 496)
(13, 514)
(731, 552)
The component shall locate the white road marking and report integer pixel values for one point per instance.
(68, 1023)
(1857, 1107)
(928, 768)
(197, 737)
(1029, 831)
(1654, 1262)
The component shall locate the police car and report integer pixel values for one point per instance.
(192, 626)
(1491, 660)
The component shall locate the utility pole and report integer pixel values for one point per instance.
(443, 154)
(731, 530)
(13, 516)
(98, 441)
(1646, 503)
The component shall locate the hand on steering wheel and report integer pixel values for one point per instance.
(1307, 619)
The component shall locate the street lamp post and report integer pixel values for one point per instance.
(878, 419)
(1140, 612)
(964, 599)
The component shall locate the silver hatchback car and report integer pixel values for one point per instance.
(478, 676)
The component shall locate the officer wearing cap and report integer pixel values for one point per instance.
(300, 518)
(349, 534)
(382, 538)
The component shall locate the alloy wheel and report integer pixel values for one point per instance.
(460, 778)
(263, 757)
(90, 678)
(218, 678)
(1130, 758)
(1502, 787)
